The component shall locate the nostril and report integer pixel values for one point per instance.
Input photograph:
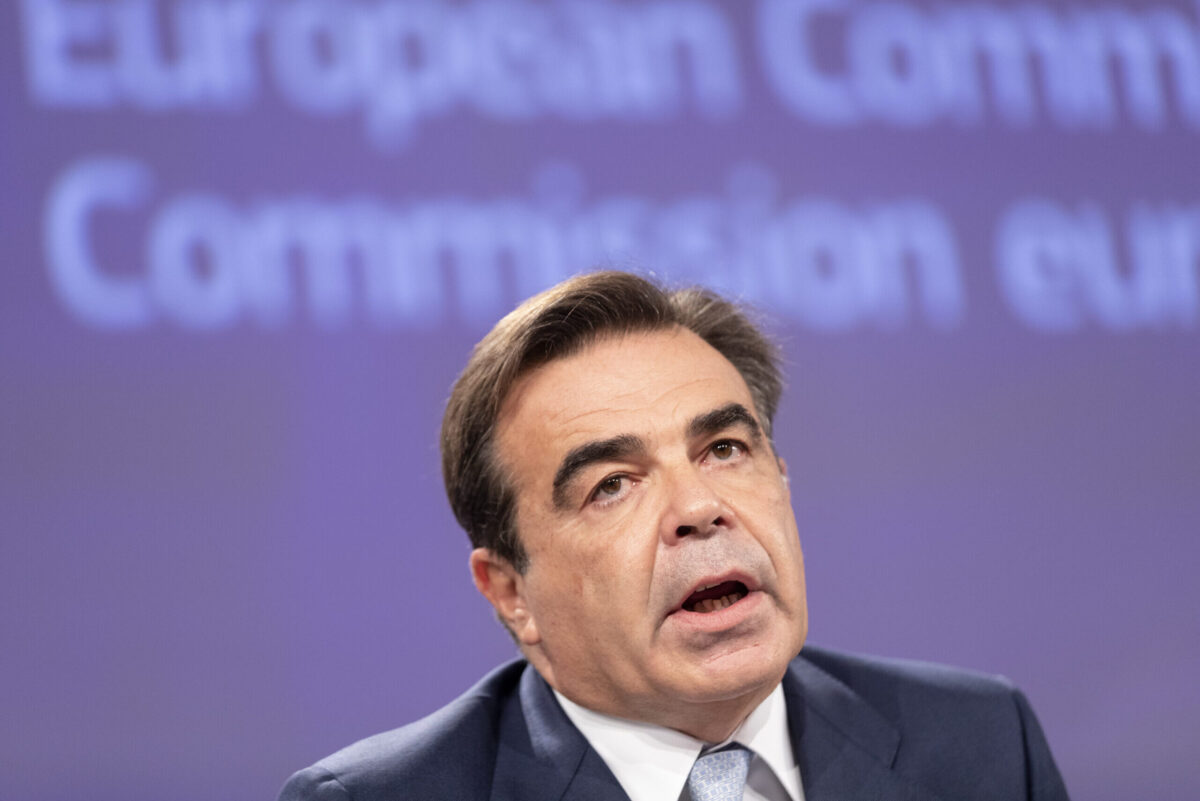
(683, 531)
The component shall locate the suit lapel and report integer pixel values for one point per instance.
(845, 749)
(543, 757)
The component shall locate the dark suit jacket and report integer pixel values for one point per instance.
(862, 729)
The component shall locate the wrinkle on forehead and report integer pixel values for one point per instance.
(634, 404)
(603, 360)
(628, 384)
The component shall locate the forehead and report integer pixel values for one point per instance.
(645, 383)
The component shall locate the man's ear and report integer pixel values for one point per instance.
(783, 470)
(504, 587)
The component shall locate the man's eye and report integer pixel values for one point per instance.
(610, 486)
(725, 449)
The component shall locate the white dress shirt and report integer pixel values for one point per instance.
(652, 763)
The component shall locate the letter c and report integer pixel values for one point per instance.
(104, 301)
(789, 63)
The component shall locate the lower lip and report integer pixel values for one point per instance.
(720, 620)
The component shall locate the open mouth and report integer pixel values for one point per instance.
(715, 597)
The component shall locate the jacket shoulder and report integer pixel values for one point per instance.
(881, 681)
(955, 728)
(450, 754)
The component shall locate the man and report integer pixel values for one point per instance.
(608, 450)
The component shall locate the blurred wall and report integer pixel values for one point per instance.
(249, 244)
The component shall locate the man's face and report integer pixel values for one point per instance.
(643, 478)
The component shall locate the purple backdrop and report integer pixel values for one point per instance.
(249, 244)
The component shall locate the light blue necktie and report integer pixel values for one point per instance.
(720, 775)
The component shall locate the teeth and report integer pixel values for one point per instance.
(716, 604)
(703, 587)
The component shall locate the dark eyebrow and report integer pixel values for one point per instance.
(728, 416)
(604, 450)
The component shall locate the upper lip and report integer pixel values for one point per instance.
(710, 581)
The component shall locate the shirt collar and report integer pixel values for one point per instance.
(653, 762)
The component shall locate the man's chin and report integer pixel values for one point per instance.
(730, 671)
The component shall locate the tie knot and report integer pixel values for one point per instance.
(720, 775)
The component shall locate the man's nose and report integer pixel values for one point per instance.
(693, 506)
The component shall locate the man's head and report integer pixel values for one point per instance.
(608, 451)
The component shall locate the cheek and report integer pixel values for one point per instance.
(582, 571)
(766, 509)
(603, 562)
(762, 492)
(555, 599)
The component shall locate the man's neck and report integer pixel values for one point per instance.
(710, 722)
(714, 722)
(652, 762)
